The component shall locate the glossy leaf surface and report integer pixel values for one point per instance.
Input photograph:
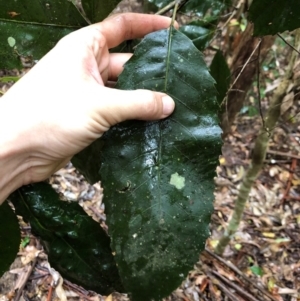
(88, 161)
(97, 10)
(30, 28)
(200, 32)
(10, 237)
(219, 70)
(274, 16)
(76, 245)
(158, 176)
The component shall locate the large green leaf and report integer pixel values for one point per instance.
(200, 31)
(97, 10)
(221, 73)
(273, 16)
(88, 161)
(199, 7)
(30, 28)
(158, 176)
(76, 245)
(10, 237)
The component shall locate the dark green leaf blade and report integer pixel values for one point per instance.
(158, 176)
(219, 70)
(27, 37)
(88, 161)
(56, 13)
(30, 28)
(98, 10)
(274, 16)
(10, 237)
(76, 245)
(200, 32)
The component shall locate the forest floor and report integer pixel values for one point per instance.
(262, 261)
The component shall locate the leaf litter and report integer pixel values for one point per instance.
(262, 261)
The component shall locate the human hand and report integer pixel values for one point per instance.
(62, 104)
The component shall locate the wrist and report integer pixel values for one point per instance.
(13, 153)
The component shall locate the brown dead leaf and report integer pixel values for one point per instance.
(59, 290)
(202, 282)
(239, 176)
(287, 103)
(284, 176)
(13, 14)
(29, 254)
(273, 171)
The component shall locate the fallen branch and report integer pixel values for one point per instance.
(240, 273)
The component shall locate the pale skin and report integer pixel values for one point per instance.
(62, 104)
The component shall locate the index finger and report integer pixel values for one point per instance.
(121, 27)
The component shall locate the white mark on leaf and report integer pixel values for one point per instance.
(177, 180)
(11, 41)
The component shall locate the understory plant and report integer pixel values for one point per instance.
(157, 176)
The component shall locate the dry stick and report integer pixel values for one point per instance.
(49, 297)
(231, 15)
(237, 288)
(166, 8)
(283, 154)
(258, 87)
(228, 293)
(25, 280)
(243, 68)
(259, 152)
(286, 42)
(170, 6)
(289, 184)
(240, 273)
(236, 9)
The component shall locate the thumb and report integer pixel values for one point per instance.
(137, 104)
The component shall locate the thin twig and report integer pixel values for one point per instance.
(240, 273)
(242, 70)
(258, 86)
(49, 297)
(285, 41)
(283, 154)
(166, 8)
(170, 6)
(77, 289)
(25, 280)
(228, 293)
(289, 184)
(237, 288)
(236, 8)
(232, 14)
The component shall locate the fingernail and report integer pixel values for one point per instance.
(168, 105)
